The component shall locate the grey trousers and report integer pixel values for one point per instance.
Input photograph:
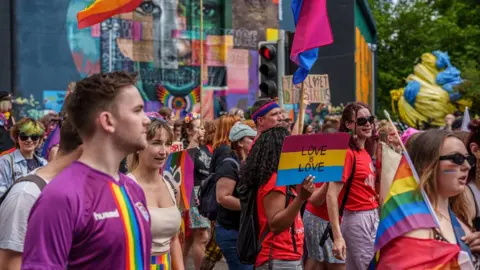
(359, 229)
(281, 265)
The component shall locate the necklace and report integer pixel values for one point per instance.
(447, 217)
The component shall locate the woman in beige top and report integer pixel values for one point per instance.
(161, 197)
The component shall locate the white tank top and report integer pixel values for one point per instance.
(165, 222)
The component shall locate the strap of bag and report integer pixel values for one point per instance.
(28, 178)
(12, 166)
(349, 185)
(175, 192)
(328, 232)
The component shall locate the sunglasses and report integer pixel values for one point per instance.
(362, 121)
(459, 159)
(24, 137)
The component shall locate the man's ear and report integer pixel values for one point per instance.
(106, 121)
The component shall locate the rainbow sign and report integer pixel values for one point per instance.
(319, 155)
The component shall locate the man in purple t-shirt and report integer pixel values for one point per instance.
(90, 216)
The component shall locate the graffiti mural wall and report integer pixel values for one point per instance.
(160, 41)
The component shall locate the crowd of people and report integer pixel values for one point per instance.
(84, 189)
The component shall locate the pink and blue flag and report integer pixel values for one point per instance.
(312, 31)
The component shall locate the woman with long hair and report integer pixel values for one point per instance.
(473, 193)
(354, 239)
(196, 226)
(278, 219)
(442, 163)
(160, 194)
(232, 142)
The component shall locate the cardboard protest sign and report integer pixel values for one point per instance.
(319, 155)
(179, 170)
(389, 166)
(317, 89)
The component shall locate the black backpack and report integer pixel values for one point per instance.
(207, 195)
(28, 178)
(248, 242)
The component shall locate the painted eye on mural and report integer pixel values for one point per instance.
(148, 8)
(208, 10)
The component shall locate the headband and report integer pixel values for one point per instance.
(264, 110)
(191, 117)
(155, 116)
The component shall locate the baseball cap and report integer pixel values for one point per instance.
(239, 131)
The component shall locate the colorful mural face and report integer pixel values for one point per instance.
(160, 41)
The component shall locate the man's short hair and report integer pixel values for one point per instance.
(69, 138)
(260, 103)
(94, 94)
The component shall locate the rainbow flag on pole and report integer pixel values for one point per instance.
(404, 208)
(100, 10)
(312, 31)
(179, 170)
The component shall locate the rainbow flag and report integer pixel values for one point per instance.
(100, 10)
(405, 208)
(319, 155)
(420, 254)
(179, 169)
(312, 31)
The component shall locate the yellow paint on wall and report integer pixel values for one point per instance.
(272, 34)
(363, 68)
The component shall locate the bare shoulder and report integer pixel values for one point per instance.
(420, 234)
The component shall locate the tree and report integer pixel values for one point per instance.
(410, 28)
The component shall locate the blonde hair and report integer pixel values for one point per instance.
(133, 160)
(5, 105)
(425, 153)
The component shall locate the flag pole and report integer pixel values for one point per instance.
(202, 71)
(301, 115)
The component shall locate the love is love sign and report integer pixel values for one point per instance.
(319, 155)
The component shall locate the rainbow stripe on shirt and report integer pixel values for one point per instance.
(133, 238)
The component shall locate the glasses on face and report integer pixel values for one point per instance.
(25, 137)
(459, 159)
(362, 121)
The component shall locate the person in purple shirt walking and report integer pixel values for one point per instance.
(91, 216)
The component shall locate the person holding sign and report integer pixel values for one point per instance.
(281, 231)
(354, 239)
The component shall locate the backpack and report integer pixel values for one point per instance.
(207, 195)
(28, 178)
(248, 242)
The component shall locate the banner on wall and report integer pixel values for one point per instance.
(317, 88)
(319, 155)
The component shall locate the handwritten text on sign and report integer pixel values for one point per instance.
(317, 89)
(319, 155)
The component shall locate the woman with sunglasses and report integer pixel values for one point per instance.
(160, 194)
(354, 238)
(27, 134)
(442, 163)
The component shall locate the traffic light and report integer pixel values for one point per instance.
(268, 69)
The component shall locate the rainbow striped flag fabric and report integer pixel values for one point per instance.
(179, 170)
(319, 155)
(405, 208)
(100, 10)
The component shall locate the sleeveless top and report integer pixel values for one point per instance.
(165, 222)
(476, 197)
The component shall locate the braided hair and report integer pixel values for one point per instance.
(264, 157)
